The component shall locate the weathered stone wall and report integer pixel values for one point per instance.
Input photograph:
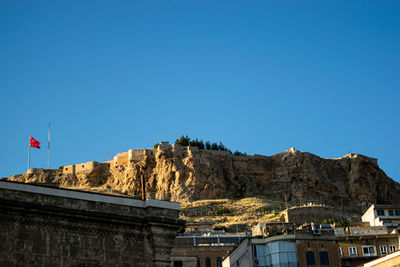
(50, 229)
(132, 155)
(81, 168)
(307, 214)
(121, 158)
(317, 247)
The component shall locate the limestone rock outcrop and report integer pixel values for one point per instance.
(186, 173)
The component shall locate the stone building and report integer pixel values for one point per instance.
(376, 236)
(45, 226)
(360, 244)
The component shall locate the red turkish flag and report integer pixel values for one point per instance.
(34, 143)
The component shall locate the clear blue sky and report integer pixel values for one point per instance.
(260, 76)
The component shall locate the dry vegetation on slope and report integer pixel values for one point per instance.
(241, 214)
(230, 214)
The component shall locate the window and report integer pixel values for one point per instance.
(278, 253)
(352, 251)
(310, 258)
(391, 213)
(397, 212)
(369, 250)
(324, 258)
(340, 252)
(208, 262)
(219, 262)
(392, 248)
(383, 250)
(178, 264)
(380, 212)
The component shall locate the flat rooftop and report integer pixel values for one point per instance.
(385, 206)
(89, 196)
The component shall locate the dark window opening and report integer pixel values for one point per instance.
(380, 212)
(208, 262)
(391, 213)
(310, 258)
(324, 258)
(178, 264)
(219, 262)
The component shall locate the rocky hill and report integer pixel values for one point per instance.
(186, 174)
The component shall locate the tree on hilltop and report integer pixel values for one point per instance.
(183, 141)
(208, 145)
(214, 146)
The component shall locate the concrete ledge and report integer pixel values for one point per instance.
(124, 201)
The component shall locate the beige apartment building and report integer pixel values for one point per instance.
(379, 215)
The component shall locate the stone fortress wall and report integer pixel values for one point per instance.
(119, 159)
(135, 155)
(80, 168)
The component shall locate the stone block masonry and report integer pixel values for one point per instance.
(42, 226)
(306, 214)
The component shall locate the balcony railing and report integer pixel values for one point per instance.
(362, 231)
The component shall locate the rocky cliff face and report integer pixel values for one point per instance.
(186, 174)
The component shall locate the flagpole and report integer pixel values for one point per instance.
(48, 149)
(29, 153)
